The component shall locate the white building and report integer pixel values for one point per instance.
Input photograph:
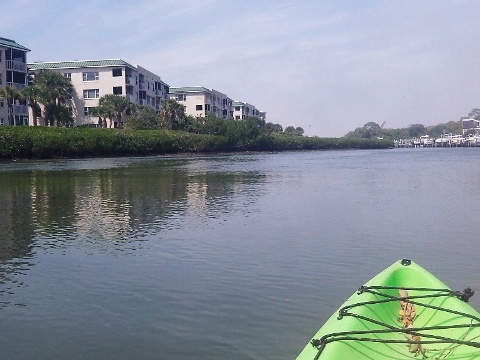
(13, 72)
(93, 79)
(243, 110)
(199, 101)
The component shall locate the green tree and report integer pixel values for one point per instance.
(103, 112)
(173, 114)
(9, 93)
(114, 107)
(273, 128)
(32, 95)
(299, 131)
(289, 130)
(416, 130)
(474, 114)
(54, 90)
(141, 118)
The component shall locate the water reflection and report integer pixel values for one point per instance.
(108, 203)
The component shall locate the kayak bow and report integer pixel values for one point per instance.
(401, 313)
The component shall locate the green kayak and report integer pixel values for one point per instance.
(402, 313)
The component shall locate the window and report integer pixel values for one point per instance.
(68, 75)
(1, 103)
(207, 107)
(237, 117)
(117, 90)
(90, 76)
(237, 108)
(199, 107)
(117, 72)
(87, 111)
(91, 94)
(181, 97)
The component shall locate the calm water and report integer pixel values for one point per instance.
(219, 257)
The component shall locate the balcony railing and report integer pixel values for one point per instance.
(17, 85)
(20, 109)
(143, 102)
(129, 80)
(16, 65)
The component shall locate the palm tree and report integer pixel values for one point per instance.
(32, 94)
(173, 113)
(54, 89)
(9, 93)
(113, 106)
(103, 112)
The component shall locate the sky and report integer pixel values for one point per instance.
(327, 66)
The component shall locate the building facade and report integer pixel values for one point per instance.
(470, 125)
(13, 72)
(199, 101)
(243, 110)
(93, 79)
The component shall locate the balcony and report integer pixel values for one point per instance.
(20, 109)
(16, 66)
(131, 98)
(158, 92)
(129, 80)
(141, 85)
(143, 102)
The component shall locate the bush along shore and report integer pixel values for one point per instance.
(50, 142)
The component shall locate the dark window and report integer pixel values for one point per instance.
(117, 72)
(117, 90)
(237, 108)
(199, 107)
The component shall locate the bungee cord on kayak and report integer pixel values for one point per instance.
(408, 311)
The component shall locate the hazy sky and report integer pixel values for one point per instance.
(328, 66)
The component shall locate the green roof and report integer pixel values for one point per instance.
(188, 89)
(12, 44)
(239, 103)
(78, 64)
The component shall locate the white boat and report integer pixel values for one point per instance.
(425, 140)
(457, 140)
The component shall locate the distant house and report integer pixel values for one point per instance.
(13, 72)
(93, 79)
(470, 124)
(199, 101)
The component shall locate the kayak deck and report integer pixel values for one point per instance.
(373, 324)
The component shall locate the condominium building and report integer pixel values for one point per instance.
(93, 79)
(199, 101)
(13, 72)
(243, 110)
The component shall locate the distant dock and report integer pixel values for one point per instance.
(446, 140)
